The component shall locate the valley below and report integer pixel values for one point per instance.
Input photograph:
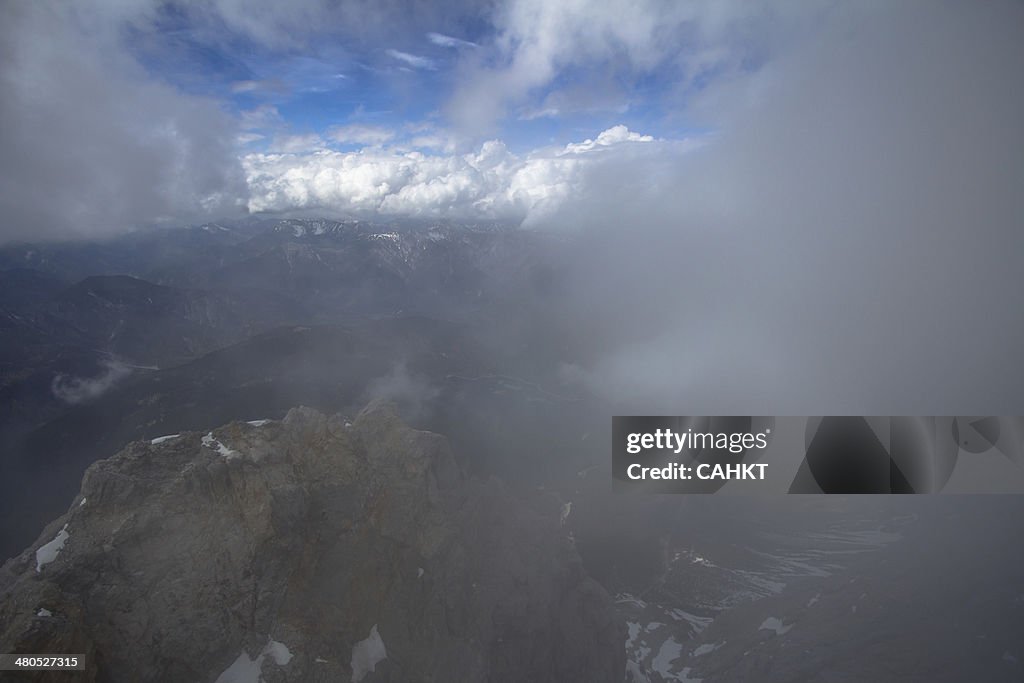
(338, 450)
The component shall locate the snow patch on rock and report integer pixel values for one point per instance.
(366, 654)
(48, 553)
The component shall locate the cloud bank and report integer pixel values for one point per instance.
(491, 182)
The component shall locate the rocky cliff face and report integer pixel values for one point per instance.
(312, 549)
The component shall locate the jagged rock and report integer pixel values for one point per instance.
(311, 549)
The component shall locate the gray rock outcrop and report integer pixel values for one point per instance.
(311, 549)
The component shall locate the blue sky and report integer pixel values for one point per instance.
(735, 156)
(404, 76)
(123, 113)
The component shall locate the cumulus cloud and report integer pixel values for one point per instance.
(107, 123)
(607, 138)
(94, 143)
(491, 182)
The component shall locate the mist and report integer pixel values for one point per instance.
(410, 392)
(91, 145)
(74, 390)
(547, 215)
(848, 242)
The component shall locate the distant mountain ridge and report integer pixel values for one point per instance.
(218, 309)
(156, 253)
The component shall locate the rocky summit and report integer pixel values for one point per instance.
(309, 549)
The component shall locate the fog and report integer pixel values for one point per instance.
(91, 145)
(76, 390)
(835, 229)
(820, 214)
(848, 242)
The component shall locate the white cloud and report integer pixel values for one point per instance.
(75, 390)
(585, 98)
(264, 87)
(415, 61)
(431, 141)
(248, 138)
(491, 182)
(613, 136)
(246, 86)
(449, 41)
(848, 241)
(360, 134)
(90, 144)
(309, 142)
(537, 40)
(263, 116)
(534, 113)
